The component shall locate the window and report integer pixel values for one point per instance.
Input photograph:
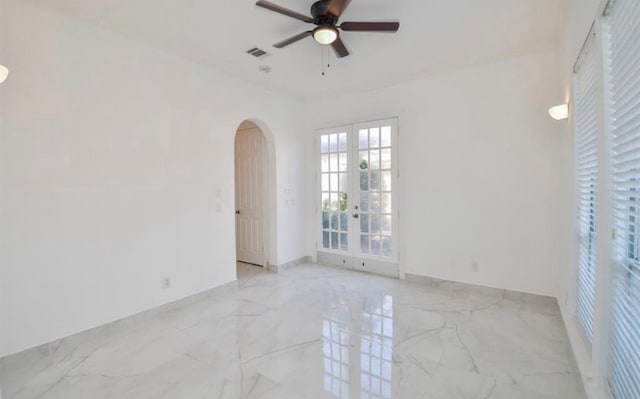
(586, 124)
(334, 175)
(624, 67)
(376, 195)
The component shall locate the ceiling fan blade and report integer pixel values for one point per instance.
(292, 39)
(339, 48)
(284, 11)
(337, 7)
(370, 26)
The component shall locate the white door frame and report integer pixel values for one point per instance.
(266, 184)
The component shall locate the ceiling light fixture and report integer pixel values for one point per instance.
(325, 34)
(4, 72)
(559, 112)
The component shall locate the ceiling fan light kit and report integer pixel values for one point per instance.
(325, 34)
(325, 15)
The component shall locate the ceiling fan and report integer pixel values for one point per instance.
(325, 14)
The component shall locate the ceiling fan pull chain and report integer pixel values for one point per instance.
(322, 59)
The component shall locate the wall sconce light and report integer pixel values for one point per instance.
(4, 72)
(559, 112)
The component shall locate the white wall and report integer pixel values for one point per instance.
(482, 171)
(111, 154)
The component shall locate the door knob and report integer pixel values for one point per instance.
(237, 212)
(355, 215)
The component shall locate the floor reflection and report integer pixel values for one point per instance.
(335, 349)
(375, 358)
(376, 350)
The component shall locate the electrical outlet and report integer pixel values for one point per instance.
(166, 283)
(475, 266)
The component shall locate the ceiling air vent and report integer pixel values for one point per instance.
(256, 52)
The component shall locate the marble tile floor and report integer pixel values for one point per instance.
(314, 332)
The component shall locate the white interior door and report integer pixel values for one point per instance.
(358, 196)
(249, 180)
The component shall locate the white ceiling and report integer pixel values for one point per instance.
(434, 36)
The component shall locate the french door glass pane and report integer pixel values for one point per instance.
(374, 152)
(334, 172)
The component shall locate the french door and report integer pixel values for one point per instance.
(357, 196)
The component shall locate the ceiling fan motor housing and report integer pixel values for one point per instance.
(319, 12)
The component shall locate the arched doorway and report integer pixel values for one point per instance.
(252, 195)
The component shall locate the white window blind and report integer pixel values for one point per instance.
(624, 64)
(586, 124)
